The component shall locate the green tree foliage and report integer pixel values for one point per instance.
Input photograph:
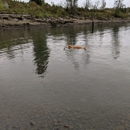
(72, 5)
(1, 5)
(120, 9)
(39, 2)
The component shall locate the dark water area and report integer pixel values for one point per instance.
(45, 86)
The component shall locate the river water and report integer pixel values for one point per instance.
(45, 86)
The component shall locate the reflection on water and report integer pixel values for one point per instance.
(116, 43)
(11, 41)
(77, 57)
(41, 53)
(44, 86)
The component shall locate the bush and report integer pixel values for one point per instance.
(119, 14)
(1, 5)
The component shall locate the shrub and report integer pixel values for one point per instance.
(119, 14)
(1, 5)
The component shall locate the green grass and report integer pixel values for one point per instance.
(46, 10)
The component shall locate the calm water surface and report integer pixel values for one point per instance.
(45, 86)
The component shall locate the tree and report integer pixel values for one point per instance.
(87, 4)
(72, 5)
(39, 2)
(119, 4)
(103, 4)
(96, 4)
(75, 4)
(120, 8)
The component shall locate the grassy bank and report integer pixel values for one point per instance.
(46, 10)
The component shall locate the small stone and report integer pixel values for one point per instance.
(33, 123)
(10, 128)
(39, 122)
(21, 128)
(80, 126)
(37, 116)
(128, 117)
(127, 125)
(120, 127)
(66, 126)
(122, 121)
(71, 127)
(45, 125)
(59, 121)
(54, 120)
(14, 127)
(55, 124)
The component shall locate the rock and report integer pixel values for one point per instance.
(122, 121)
(33, 123)
(120, 127)
(21, 128)
(127, 125)
(55, 124)
(59, 121)
(66, 126)
(39, 20)
(106, 19)
(14, 127)
(54, 120)
(27, 16)
(53, 23)
(37, 116)
(26, 24)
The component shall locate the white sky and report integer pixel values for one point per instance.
(110, 3)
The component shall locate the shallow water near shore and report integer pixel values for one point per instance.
(45, 86)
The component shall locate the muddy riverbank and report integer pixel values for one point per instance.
(15, 21)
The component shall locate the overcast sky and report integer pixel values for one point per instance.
(110, 3)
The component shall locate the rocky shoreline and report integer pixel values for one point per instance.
(15, 21)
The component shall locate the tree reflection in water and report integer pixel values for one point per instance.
(12, 41)
(41, 52)
(115, 42)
